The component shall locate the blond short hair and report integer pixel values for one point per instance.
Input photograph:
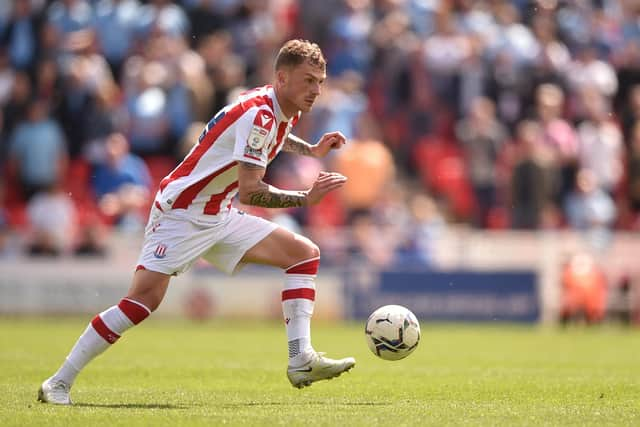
(295, 52)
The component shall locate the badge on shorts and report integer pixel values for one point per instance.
(161, 251)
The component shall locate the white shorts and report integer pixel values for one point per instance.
(173, 241)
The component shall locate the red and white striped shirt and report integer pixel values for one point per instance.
(252, 129)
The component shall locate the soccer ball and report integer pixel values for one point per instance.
(392, 332)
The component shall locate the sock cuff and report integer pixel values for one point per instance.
(103, 330)
(299, 293)
(135, 311)
(307, 266)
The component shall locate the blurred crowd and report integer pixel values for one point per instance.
(498, 114)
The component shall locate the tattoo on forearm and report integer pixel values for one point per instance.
(296, 145)
(269, 198)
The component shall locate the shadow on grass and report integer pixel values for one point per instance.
(222, 405)
(131, 405)
(319, 403)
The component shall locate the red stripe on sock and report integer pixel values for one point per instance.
(103, 330)
(309, 267)
(135, 312)
(306, 293)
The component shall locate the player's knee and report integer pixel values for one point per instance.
(313, 250)
(148, 301)
(307, 260)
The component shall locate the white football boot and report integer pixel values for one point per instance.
(318, 368)
(55, 391)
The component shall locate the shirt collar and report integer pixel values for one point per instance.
(276, 107)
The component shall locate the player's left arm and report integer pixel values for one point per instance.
(329, 141)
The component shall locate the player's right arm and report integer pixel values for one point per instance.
(253, 132)
(252, 190)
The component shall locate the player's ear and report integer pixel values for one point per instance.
(282, 75)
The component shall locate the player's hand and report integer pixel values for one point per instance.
(326, 181)
(329, 141)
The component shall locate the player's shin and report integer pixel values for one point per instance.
(104, 330)
(298, 299)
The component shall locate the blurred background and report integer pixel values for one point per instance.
(493, 155)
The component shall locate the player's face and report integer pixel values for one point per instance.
(302, 85)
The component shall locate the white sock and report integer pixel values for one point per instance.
(104, 330)
(298, 298)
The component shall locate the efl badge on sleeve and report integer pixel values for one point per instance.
(262, 125)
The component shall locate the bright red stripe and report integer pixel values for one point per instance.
(213, 205)
(189, 164)
(252, 157)
(279, 139)
(135, 312)
(306, 293)
(309, 267)
(140, 267)
(186, 197)
(157, 205)
(103, 330)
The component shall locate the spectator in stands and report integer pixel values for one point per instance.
(554, 56)
(533, 180)
(121, 184)
(507, 87)
(420, 235)
(340, 106)
(192, 72)
(590, 209)
(7, 77)
(48, 81)
(226, 70)
(349, 31)
(21, 36)
(445, 52)
(163, 16)
(378, 252)
(206, 17)
(37, 150)
(558, 135)
(115, 23)
(69, 16)
(483, 137)
(587, 72)
(101, 119)
(86, 75)
(51, 216)
(511, 37)
(633, 175)
(158, 107)
(631, 112)
(601, 146)
(15, 108)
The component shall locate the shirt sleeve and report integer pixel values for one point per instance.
(254, 133)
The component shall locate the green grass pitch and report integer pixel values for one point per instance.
(233, 373)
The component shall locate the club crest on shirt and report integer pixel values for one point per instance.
(161, 251)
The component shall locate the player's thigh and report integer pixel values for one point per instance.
(149, 287)
(282, 248)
